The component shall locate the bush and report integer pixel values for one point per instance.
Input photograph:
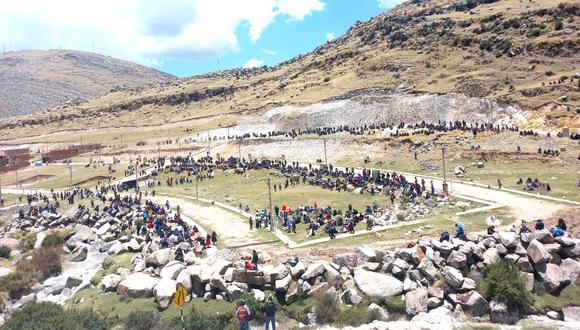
(47, 261)
(53, 240)
(196, 320)
(357, 316)
(503, 281)
(326, 308)
(4, 251)
(144, 320)
(394, 304)
(558, 25)
(47, 315)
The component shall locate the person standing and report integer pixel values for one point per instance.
(255, 259)
(243, 314)
(269, 309)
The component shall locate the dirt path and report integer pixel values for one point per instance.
(231, 228)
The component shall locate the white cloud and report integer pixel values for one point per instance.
(145, 31)
(253, 63)
(330, 36)
(387, 4)
(269, 51)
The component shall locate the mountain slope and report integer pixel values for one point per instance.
(523, 52)
(32, 81)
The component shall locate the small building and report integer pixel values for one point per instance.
(12, 159)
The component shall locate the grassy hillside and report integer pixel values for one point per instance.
(510, 50)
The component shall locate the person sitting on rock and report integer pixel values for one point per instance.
(557, 231)
(444, 236)
(562, 224)
(459, 231)
(539, 224)
(524, 228)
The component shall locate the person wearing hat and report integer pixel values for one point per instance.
(243, 314)
(269, 309)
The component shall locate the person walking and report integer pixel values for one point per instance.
(243, 314)
(269, 309)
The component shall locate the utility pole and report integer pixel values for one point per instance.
(70, 173)
(272, 220)
(208, 144)
(325, 158)
(196, 188)
(445, 186)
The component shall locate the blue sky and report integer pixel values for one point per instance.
(183, 37)
(285, 38)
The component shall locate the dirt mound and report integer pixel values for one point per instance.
(34, 179)
(487, 156)
(572, 218)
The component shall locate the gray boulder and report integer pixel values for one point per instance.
(537, 252)
(160, 257)
(137, 285)
(571, 314)
(571, 269)
(498, 312)
(416, 301)
(80, 253)
(453, 277)
(457, 259)
(164, 291)
(377, 284)
(508, 239)
(552, 277)
(109, 282)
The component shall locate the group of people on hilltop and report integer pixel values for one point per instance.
(556, 231)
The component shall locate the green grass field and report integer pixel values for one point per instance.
(561, 177)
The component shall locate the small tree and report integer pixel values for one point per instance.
(326, 308)
(503, 281)
(4, 251)
(558, 25)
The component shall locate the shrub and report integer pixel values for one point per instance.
(47, 315)
(144, 320)
(4, 251)
(47, 261)
(326, 79)
(52, 240)
(558, 25)
(393, 304)
(326, 308)
(357, 316)
(503, 281)
(196, 320)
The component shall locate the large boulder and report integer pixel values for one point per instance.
(571, 314)
(184, 278)
(83, 234)
(80, 253)
(416, 302)
(508, 239)
(137, 285)
(346, 259)
(104, 229)
(457, 259)
(428, 270)
(377, 284)
(453, 277)
(282, 285)
(438, 316)
(490, 256)
(297, 270)
(350, 297)
(160, 257)
(164, 291)
(365, 253)
(279, 272)
(571, 269)
(537, 252)
(171, 270)
(314, 270)
(473, 303)
(498, 312)
(552, 277)
(110, 282)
